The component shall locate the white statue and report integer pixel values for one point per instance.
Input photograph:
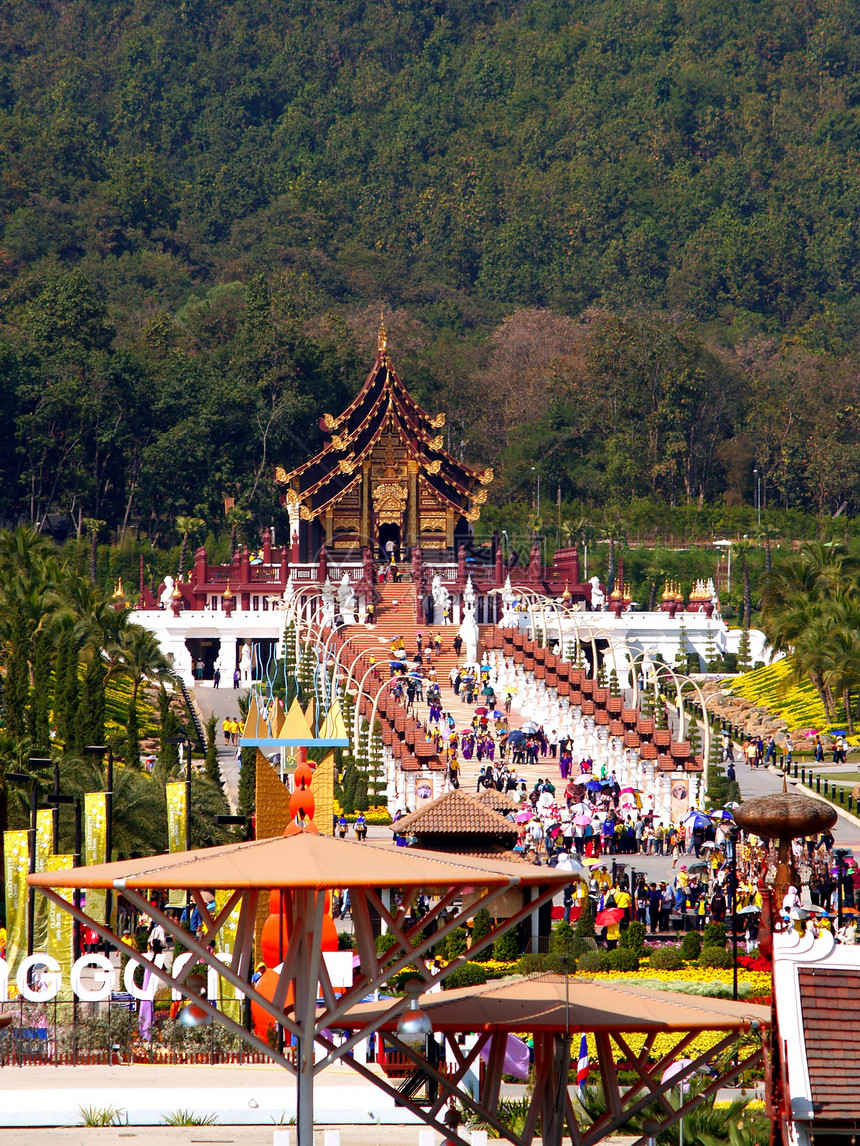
(328, 607)
(598, 597)
(245, 659)
(469, 628)
(509, 618)
(441, 601)
(167, 592)
(347, 600)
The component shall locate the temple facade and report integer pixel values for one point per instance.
(384, 480)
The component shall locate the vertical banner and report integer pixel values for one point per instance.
(44, 847)
(17, 862)
(95, 845)
(176, 831)
(224, 943)
(61, 926)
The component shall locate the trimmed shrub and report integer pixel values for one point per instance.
(715, 957)
(714, 935)
(469, 975)
(691, 945)
(633, 937)
(456, 943)
(666, 959)
(592, 961)
(481, 928)
(622, 959)
(507, 948)
(561, 939)
(530, 964)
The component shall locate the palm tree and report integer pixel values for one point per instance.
(614, 531)
(186, 525)
(655, 574)
(741, 551)
(236, 518)
(766, 535)
(93, 525)
(139, 657)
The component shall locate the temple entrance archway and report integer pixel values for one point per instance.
(389, 532)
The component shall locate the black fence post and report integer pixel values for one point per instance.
(818, 784)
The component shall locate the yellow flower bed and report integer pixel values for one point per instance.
(798, 703)
(759, 982)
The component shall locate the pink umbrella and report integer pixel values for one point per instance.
(582, 819)
(524, 817)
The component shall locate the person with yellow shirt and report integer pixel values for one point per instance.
(625, 902)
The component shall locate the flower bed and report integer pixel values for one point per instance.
(798, 703)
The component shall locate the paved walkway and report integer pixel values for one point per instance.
(223, 702)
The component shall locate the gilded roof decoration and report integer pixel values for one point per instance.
(479, 496)
(382, 403)
(487, 476)
(472, 515)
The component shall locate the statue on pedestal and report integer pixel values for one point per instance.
(328, 602)
(441, 601)
(347, 599)
(166, 592)
(245, 663)
(509, 619)
(598, 597)
(469, 627)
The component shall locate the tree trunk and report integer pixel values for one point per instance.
(183, 549)
(610, 572)
(747, 595)
(846, 704)
(652, 597)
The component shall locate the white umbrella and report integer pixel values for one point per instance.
(570, 863)
(752, 909)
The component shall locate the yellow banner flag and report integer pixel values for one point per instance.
(176, 831)
(95, 848)
(44, 847)
(17, 855)
(61, 943)
(224, 942)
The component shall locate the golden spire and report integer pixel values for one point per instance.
(383, 333)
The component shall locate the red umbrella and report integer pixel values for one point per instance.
(609, 916)
(481, 711)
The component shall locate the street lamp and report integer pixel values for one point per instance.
(244, 821)
(99, 750)
(23, 778)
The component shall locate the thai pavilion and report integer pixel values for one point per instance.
(383, 477)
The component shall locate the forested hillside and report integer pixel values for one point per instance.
(618, 238)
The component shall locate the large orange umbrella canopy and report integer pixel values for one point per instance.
(304, 859)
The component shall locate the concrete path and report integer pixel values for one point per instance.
(222, 702)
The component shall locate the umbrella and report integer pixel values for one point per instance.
(481, 710)
(708, 845)
(593, 785)
(850, 911)
(569, 863)
(524, 816)
(699, 865)
(609, 916)
(488, 690)
(530, 727)
(732, 804)
(582, 819)
(516, 737)
(751, 910)
(498, 715)
(798, 913)
(623, 790)
(722, 814)
(838, 732)
(697, 819)
(581, 807)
